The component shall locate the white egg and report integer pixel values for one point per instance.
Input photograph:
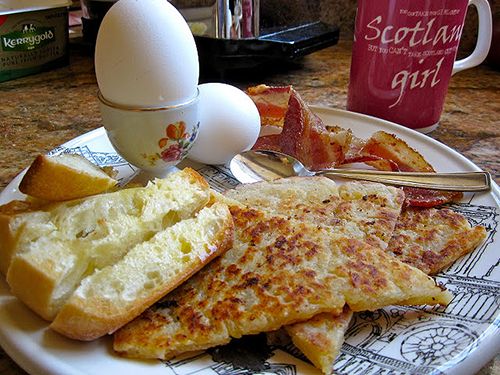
(146, 55)
(229, 124)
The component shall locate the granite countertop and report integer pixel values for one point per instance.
(40, 112)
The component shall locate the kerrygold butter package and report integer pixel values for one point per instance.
(33, 36)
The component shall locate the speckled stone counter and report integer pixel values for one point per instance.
(40, 112)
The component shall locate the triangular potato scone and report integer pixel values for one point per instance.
(279, 271)
(367, 211)
(321, 337)
(431, 239)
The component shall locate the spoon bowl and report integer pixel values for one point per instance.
(265, 165)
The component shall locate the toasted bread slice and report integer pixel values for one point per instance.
(431, 239)
(116, 294)
(64, 177)
(74, 238)
(278, 272)
(14, 216)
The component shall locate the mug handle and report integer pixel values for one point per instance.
(483, 38)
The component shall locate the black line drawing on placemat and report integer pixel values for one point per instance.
(246, 356)
(437, 342)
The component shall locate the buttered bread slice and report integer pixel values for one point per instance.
(116, 294)
(74, 238)
(14, 216)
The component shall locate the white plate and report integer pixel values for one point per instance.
(459, 339)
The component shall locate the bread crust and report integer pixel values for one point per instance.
(52, 180)
(13, 217)
(33, 285)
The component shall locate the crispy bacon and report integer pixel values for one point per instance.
(305, 137)
(418, 197)
(268, 142)
(271, 102)
(395, 154)
(389, 147)
(383, 164)
(317, 146)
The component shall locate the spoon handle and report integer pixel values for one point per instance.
(468, 181)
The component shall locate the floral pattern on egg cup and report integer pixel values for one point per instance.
(153, 139)
(175, 145)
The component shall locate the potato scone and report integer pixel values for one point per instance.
(431, 239)
(365, 211)
(279, 271)
(321, 337)
(55, 249)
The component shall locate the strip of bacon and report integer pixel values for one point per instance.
(389, 147)
(271, 102)
(268, 142)
(383, 164)
(305, 137)
(397, 152)
(417, 197)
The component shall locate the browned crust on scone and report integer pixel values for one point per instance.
(432, 239)
(321, 337)
(249, 289)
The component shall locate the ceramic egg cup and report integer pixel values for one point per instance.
(153, 139)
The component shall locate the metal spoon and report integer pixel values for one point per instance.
(253, 166)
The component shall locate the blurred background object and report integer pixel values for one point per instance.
(92, 13)
(493, 58)
(276, 16)
(239, 34)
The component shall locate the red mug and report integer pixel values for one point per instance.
(404, 54)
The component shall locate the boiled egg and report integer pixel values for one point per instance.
(229, 124)
(145, 55)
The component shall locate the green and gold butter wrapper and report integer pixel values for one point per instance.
(32, 38)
